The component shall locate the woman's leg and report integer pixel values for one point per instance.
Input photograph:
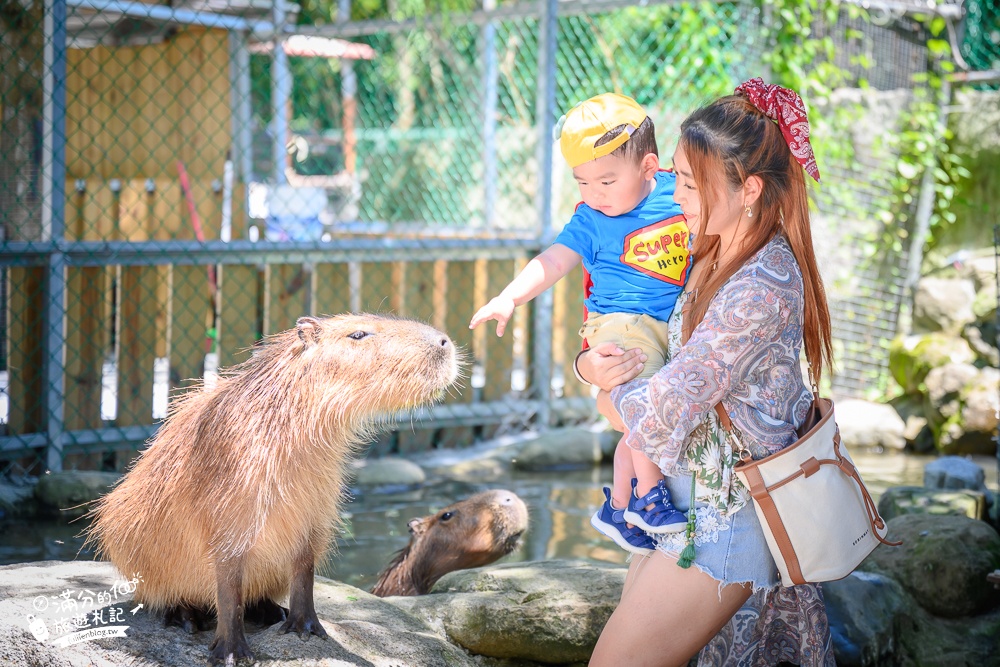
(666, 615)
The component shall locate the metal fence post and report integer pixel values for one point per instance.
(922, 225)
(490, 73)
(54, 224)
(242, 115)
(281, 82)
(545, 114)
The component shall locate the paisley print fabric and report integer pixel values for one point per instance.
(785, 625)
(745, 353)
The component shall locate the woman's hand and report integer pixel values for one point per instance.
(607, 365)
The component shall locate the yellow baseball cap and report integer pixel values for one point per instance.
(588, 121)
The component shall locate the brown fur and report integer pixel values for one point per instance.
(470, 533)
(236, 498)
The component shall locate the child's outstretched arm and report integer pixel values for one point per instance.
(541, 273)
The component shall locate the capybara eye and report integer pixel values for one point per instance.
(447, 515)
(358, 335)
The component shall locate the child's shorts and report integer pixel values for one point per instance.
(628, 330)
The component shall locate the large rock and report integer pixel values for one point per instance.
(926, 640)
(862, 609)
(546, 611)
(943, 304)
(969, 425)
(942, 563)
(560, 449)
(900, 500)
(944, 384)
(363, 629)
(864, 425)
(916, 432)
(911, 358)
(70, 492)
(389, 472)
(954, 472)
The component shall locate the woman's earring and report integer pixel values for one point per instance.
(748, 211)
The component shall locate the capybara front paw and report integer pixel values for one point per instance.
(229, 652)
(304, 625)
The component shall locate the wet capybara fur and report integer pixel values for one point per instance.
(470, 533)
(236, 498)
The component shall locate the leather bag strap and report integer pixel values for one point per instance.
(762, 496)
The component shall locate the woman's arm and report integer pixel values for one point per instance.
(744, 321)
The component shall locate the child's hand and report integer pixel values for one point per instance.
(499, 309)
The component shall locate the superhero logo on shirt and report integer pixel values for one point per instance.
(659, 250)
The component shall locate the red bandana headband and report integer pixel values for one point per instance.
(786, 107)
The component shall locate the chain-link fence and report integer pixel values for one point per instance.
(173, 188)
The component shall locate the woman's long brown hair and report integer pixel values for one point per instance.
(731, 137)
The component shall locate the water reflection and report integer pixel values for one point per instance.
(559, 504)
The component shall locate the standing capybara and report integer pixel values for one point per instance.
(236, 498)
(470, 533)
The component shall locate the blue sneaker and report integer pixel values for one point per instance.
(609, 521)
(662, 518)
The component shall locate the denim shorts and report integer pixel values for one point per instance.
(730, 549)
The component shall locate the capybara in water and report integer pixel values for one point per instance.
(236, 498)
(470, 533)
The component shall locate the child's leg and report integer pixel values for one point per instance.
(621, 489)
(646, 472)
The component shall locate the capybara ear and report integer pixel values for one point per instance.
(416, 526)
(308, 328)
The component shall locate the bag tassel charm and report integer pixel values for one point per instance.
(687, 556)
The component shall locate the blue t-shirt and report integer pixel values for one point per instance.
(638, 261)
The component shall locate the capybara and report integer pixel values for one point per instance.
(470, 533)
(236, 498)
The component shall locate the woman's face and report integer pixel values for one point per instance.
(727, 206)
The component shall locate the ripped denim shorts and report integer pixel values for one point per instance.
(731, 550)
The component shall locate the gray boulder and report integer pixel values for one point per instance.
(363, 629)
(390, 471)
(968, 424)
(862, 609)
(864, 424)
(609, 442)
(69, 493)
(942, 563)
(944, 384)
(900, 500)
(943, 304)
(917, 432)
(545, 611)
(925, 639)
(954, 472)
(560, 449)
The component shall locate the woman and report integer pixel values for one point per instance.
(753, 301)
